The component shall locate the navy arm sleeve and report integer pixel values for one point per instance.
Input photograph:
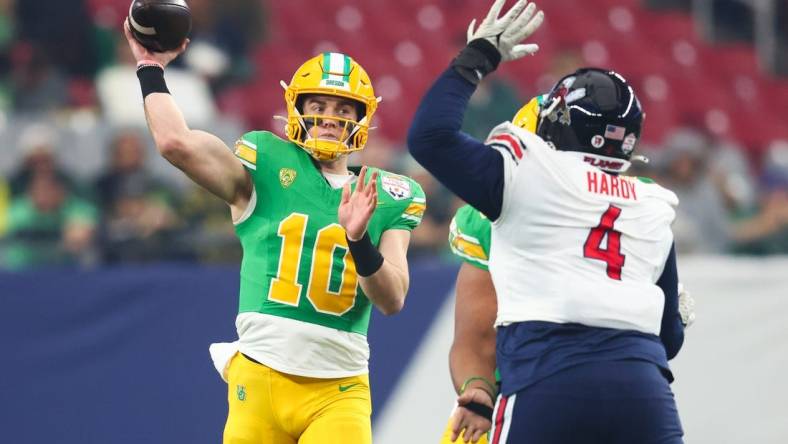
(672, 332)
(467, 167)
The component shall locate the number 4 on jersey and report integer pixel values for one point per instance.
(611, 255)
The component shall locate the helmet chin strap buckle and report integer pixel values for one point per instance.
(549, 110)
(640, 158)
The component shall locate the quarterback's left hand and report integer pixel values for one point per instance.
(356, 208)
(506, 33)
(686, 306)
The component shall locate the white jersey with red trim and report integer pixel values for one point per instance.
(574, 244)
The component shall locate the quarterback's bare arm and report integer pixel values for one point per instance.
(388, 287)
(382, 271)
(201, 155)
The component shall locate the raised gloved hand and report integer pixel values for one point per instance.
(686, 306)
(498, 38)
(506, 33)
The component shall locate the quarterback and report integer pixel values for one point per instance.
(322, 243)
(581, 257)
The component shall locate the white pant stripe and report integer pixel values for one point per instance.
(507, 419)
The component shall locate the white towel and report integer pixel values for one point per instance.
(221, 354)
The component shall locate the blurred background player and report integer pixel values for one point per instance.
(582, 260)
(322, 244)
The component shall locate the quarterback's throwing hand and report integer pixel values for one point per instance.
(142, 54)
(356, 208)
(506, 32)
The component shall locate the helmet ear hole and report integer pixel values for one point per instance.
(299, 102)
(361, 111)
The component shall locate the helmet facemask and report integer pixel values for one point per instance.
(329, 149)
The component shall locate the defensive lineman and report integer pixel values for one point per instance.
(582, 258)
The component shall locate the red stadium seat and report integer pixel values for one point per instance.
(678, 77)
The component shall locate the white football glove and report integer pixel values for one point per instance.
(507, 32)
(686, 306)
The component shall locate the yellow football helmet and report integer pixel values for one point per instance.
(527, 117)
(330, 74)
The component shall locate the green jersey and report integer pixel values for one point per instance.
(296, 262)
(469, 236)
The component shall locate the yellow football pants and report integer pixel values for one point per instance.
(270, 407)
(446, 438)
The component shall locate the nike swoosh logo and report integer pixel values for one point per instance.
(344, 388)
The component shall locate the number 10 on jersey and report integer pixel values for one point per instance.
(285, 288)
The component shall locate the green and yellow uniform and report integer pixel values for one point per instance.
(302, 313)
(469, 239)
(469, 236)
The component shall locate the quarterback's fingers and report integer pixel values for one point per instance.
(524, 50)
(373, 196)
(372, 185)
(371, 202)
(127, 30)
(360, 182)
(495, 10)
(345, 194)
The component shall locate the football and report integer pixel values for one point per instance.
(160, 25)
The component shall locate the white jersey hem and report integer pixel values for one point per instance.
(302, 348)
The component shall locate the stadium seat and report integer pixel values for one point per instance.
(678, 76)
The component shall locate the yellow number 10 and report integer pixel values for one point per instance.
(285, 287)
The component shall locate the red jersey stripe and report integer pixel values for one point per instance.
(512, 142)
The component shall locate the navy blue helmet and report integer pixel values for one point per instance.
(596, 112)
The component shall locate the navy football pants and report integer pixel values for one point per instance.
(619, 402)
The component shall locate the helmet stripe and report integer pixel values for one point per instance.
(346, 70)
(336, 67)
(326, 64)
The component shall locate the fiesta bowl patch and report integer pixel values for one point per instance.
(396, 187)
